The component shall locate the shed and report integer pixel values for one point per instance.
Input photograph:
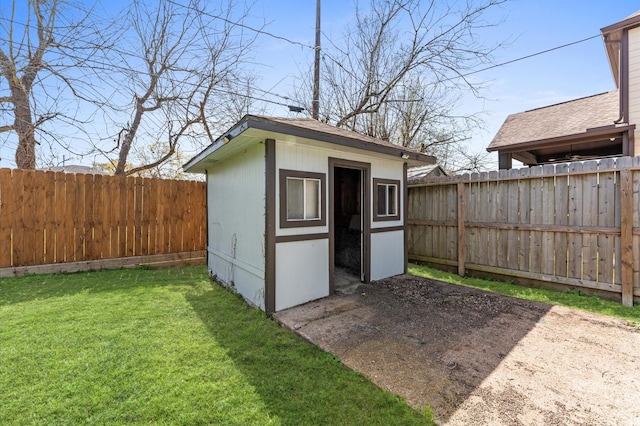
(422, 174)
(292, 201)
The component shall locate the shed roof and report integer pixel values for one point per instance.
(253, 127)
(572, 118)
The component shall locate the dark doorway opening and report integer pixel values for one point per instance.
(347, 214)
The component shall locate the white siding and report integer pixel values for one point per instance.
(387, 254)
(302, 272)
(236, 201)
(634, 82)
(315, 159)
(302, 267)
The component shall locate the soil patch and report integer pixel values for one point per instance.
(477, 357)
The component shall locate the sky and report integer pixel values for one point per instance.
(529, 26)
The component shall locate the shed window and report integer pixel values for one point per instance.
(386, 199)
(302, 199)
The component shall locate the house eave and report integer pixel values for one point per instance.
(589, 134)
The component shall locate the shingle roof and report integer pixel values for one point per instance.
(567, 118)
(300, 129)
(318, 126)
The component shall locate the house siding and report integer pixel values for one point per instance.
(634, 80)
(236, 198)
(387, 248)
(302, 272)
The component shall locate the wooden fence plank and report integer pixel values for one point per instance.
(502, 194)
(97, 209)
(548, 209)
(524, 190)
(590, 218)
(626, 229)
(536, 210)
(144, 217)
(512, 215)
(37, 221)
(7, 210)
(606, 217)
(22, 234)
(472, 206)
(460, 189)
(575, 219)
(152, 216)
(122, 221)
(561, 217)
(491, 215)
(49, 217)
(62, 201)
(108, 248)
(635, 178)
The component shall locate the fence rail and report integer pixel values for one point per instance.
(573, 224)
(54, 217)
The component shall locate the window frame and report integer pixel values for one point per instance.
(387, 183)
(285, 222)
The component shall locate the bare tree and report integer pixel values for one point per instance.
(184, 61)
(45, 46)
(398, 72)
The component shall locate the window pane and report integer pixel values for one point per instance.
(382, 200)
(391, 199)
(312, 201)
(295, 199)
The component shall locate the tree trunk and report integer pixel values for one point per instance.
(26, 150)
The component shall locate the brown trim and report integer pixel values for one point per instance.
(206, 206)
(387, 229)
(376, 182)
(284, 222)
(270, 226)
(301, 237)
(405, 212)
(366, 217)
(589, 135)
(624, 77)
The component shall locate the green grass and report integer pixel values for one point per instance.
(167, 347)
(572, 299)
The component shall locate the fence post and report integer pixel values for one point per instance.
(461, 230)
(626, 236)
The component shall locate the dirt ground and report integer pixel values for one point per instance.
(479, 358)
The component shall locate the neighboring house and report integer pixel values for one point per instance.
(422, 174)
(290, 201)
(596, 126)
(72, 168)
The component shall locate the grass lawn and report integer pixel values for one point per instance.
(167, 347)
(574, 299)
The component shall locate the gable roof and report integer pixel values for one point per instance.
(253, 127)
(574, 118)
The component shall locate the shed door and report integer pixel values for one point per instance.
(348, 221)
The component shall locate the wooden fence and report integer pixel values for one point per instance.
(574, 224)
(54, 217)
